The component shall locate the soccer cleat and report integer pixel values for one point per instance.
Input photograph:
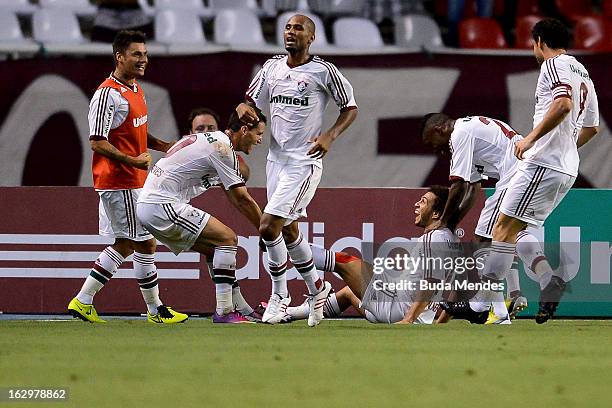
(300, 312)
(84, 312)
(516, 305)
(257, 313)
(276, 309)
(493, 319)
(232, 317)
(462, 310)
(315, 304)
(166, 315)
(549, 299)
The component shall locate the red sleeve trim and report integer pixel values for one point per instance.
(348, 108)
(562, 96)
(236, 185)
(455, 178)
(94, 137)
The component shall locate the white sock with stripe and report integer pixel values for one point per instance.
(277, 264)
(531, 253)
(224, 270)
(331, 308)
(146, 275)
(496, 267)
(324, 259)
(302, 259)
(512, 280)
(103, 270)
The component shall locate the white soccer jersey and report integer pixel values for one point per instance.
(107, 110)
(563, 76)
(480, 147)
(191, 166)
(298, 97)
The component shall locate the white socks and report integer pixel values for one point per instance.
(103, 270)
(146, 275)
(277, 264)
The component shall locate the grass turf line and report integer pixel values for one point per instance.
(339, 363)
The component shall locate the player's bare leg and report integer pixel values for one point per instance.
(223, 239)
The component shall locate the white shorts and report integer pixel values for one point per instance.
(489, 214)
(290, 189)
(176, 225)
(117, 215)
(534, 192)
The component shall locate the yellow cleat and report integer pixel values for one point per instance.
(491, 318)
(166, 315)
(84, 312)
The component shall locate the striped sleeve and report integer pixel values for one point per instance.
(258, 88)
(461, 146)
(557, 72)
(435, 255)
(102, 110)
(338, 86)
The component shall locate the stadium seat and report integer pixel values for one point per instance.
(17, 6)
(339, 7)
(355, 32)
(59, 31)
(193, 6)
(272, 8)
(320, 38)
(591, 33)
(528, 8)
(233, 4)
(524, 25)
(11, 37)
(574, 9)
(179, 27)
(79, 7)
(238, 27)
(481, 33)
(417, 31)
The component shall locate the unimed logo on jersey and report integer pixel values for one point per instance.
(289, 100)
(140, 121)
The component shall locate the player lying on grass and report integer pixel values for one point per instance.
(192, 166)
(483, 148)
(371, 293)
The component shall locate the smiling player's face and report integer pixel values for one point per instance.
(133, 61)
(423, 209)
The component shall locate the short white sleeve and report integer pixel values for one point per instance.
(559, 75)
(226, 163)
(107, 110)
(339, 87)
(462, 152)
(258, 88)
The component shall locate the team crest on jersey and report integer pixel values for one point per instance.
(302, 86)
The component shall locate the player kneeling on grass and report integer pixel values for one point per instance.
(193, 165)
(373, 294)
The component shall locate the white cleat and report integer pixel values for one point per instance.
(299, 312)
(315, 304)
(276, 311)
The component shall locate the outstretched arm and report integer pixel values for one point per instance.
(242, 200)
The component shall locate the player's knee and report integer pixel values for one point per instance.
(506, 228)
(229, 238)
(268, 231)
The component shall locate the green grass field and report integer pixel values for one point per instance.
(340, 363)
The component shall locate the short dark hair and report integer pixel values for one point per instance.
(552, 32)
(441, 193)
(235, 123)
(202, 111)
(430, 120)
(124, 38)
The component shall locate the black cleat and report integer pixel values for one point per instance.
(549, 299)
(462, 310)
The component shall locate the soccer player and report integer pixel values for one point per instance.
(566, 116)
(201, 120)
(297, 88)
(483, 148)
(119, 139)
(190, 168)
(365, 290)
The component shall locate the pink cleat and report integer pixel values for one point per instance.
(231, 317)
